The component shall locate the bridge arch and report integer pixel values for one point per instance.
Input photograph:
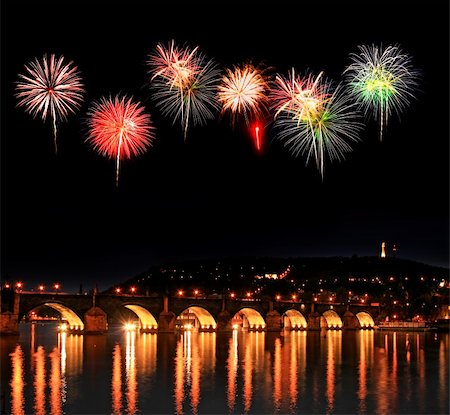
(330, 319)
(248, 318)
(147, 320)
(72, 318)
(365, 319)
(293, 319)
(196, 317)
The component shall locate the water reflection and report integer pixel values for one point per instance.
(39, 381)
(293, 370)
(443, 373)
(277, 366)
(365, 363)
(55, 382)
(232, 368)
(248, 375)
(130, 370)
(333, 340)
(17, 382)
(194, 368)
(179, 378)
(361, 372)
(116, 383)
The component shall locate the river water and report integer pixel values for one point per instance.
(362, 372)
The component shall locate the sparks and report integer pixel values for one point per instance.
(313, 120)
(382, 80)
(119, 128)
(185, 83)
(50, 87)
(243, 91)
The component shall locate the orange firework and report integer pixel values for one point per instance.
(119, 128)
(243, 92)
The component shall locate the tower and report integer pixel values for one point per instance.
(383, 250)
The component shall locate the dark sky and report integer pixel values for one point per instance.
(213, 195)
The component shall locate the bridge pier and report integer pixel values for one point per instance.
(9, 323)
(224, 321)
(273, 321)
(9, 313)
(314, 321)
(95, 321)
(350, 321)
(166, 322)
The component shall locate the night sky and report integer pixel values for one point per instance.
(213, 196)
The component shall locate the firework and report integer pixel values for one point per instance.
(243, 92)
(382, 81)
(299, 96)
(50, 88)
(185, 84)
(314, 120)
(257, 138)
(119, 128)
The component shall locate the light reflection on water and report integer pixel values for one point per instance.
(292, 372)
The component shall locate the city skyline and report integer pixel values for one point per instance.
(212, 195)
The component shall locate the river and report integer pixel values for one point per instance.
(298, 372)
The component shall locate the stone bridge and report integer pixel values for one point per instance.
(91, 314)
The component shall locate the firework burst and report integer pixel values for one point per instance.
(243, 92)
(50, 88)
(382, 80)
(313, 120)
(119, 128)
(185, 84)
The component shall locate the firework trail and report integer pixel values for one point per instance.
(257, 138)
(314, 120)
(119, 128)
(185, 84)
(50, 87)
(243, 92)
(382, 81)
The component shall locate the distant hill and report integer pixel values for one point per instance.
(242, 273)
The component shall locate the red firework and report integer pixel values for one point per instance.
(119, 129)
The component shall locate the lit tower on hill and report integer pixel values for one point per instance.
(383, 250)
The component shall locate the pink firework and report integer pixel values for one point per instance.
(185, 83)
(119, 128)
(175, 65)
(301, 97)
(50, 87)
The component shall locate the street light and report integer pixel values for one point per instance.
(57, 286)
(232, 295)
(118, 290)
(195, 293)
(294, 297)
(19, 286)
(180, 292)
(41, 288)
(278, 298)
(133, 290)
